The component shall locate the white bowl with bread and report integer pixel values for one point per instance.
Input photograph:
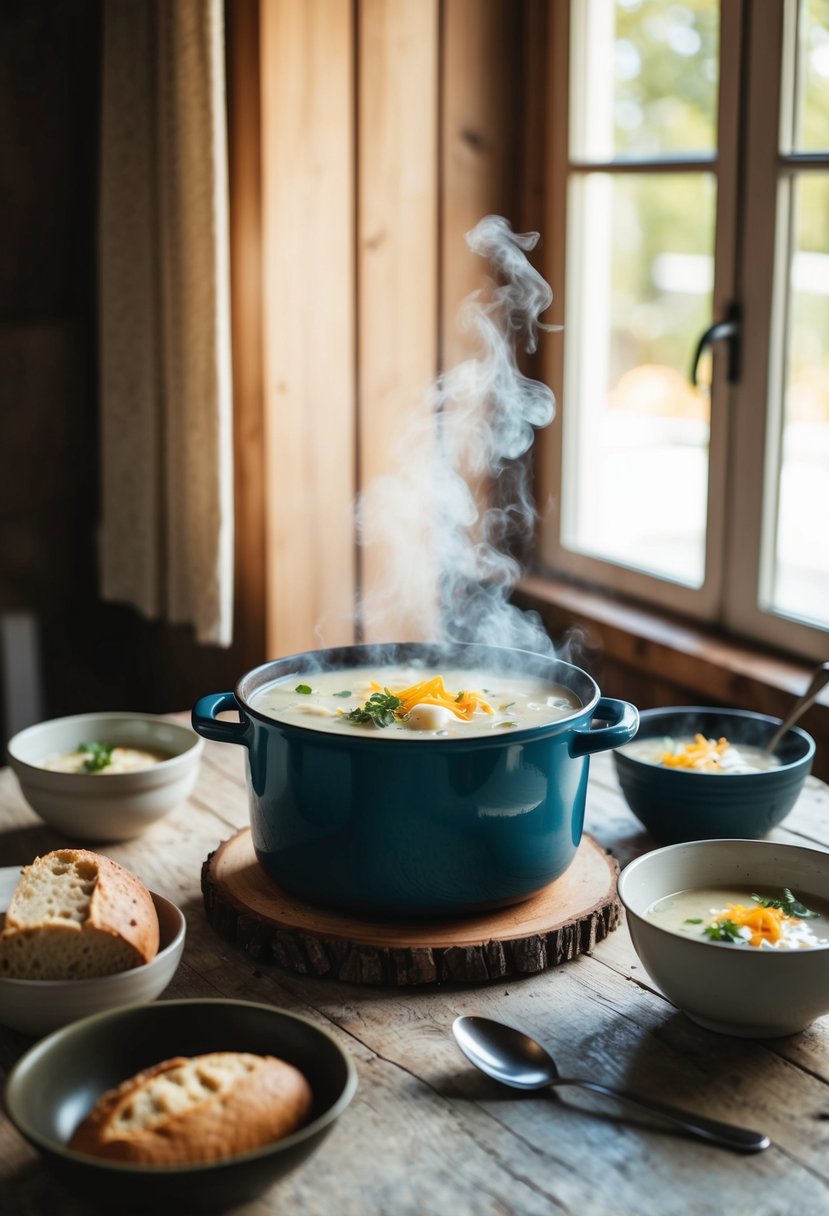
(189, 1104)
(81, 934)
(105, 776)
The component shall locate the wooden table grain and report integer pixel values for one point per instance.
(427, 1134)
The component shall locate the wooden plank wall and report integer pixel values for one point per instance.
(308, 201)
(388, 130)
(397, 253)
(245, 185)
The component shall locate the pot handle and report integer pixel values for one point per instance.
(205, 722)
(624, 723)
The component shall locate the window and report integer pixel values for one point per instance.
(691, 201)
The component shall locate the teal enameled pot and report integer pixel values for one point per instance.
(376, 823)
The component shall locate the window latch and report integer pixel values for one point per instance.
(730, 331)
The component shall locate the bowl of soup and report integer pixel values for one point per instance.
(734, 932)
(416, 780)
(695, 773)
(105, 776)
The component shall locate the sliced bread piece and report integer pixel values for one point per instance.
(199, 1108)
(75, 914)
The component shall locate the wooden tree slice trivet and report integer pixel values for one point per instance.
(249, 910)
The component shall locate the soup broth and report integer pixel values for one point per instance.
(103, 759)
(744, 918)
(700, 755)
(408, 702)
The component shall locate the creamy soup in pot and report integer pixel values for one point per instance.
(409, 702)
(103, 759)
(700, 755)
(745, 918)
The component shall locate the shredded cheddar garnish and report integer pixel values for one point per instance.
(433, 691)
(766, 924)
(702, 754)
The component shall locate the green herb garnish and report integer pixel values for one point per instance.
(507, 723)
(97, 756)
(788, 905)
(503, 708)
(723, 931)
(692, 920)
(305, 689)
(382, 709)
(346, 692)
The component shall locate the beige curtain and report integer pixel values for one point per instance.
(166, 541)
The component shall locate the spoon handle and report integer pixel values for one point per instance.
(820, 677)
(741, 1138)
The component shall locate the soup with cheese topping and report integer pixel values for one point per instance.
(408, 702)
(745, 918)
(698, 754)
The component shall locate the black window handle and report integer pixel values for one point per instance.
(728, 331)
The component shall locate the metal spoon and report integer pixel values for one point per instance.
(820, 677)
(509, 1056)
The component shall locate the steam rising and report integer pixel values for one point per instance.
(444, 561)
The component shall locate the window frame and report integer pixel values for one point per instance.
(769, 174)
(746, 163)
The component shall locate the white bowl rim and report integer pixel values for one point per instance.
(718, 841)
(100, 983)
(128, 1168)
(194, 743)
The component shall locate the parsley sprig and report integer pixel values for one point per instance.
(97, 756)
(381, 709)
(789, 905)
(723, 931)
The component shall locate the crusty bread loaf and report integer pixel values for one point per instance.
(194, 1109)
(75, 914)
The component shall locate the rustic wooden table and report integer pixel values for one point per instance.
(426, 1133)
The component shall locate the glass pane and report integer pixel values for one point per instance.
(800, 580)
(644, 78)
(812, 106)
(640, 277)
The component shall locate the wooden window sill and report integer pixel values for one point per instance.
(651, 658)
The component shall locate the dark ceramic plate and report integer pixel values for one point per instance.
(55, 1084)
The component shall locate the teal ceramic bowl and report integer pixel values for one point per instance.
(376, 823)
(678, 805)
(56, 1083)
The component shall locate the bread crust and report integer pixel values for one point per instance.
(117, 909)
(268, 1101)
(122, 905)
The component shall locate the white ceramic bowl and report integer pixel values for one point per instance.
(751, 993)
(105, 806)
(34, 1007)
